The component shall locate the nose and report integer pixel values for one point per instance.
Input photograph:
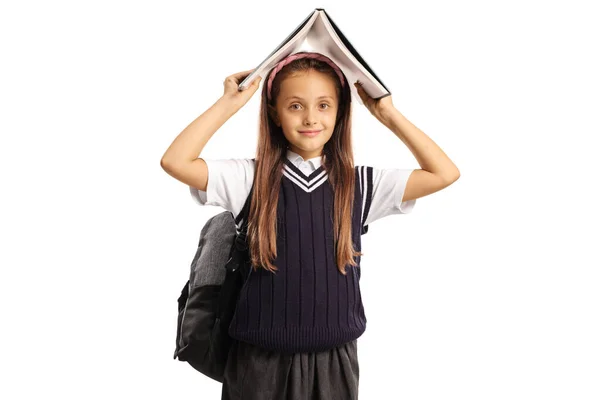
(310, 118)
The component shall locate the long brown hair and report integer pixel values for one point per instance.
(270, 155)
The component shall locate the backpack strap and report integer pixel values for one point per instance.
(239, 252)
(240, 239)
(236, 269)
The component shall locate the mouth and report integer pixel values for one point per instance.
(310, 133)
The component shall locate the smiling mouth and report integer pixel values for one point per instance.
(309, 133)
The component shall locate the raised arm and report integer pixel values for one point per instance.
(437, 170)
(181, 158)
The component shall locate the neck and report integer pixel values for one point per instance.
(307, 154)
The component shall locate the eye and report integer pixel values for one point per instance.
(325, 104)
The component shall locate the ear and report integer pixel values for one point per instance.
(273, 114)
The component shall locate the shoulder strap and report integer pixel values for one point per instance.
(240, 247)
(244, 213)
(240, 240)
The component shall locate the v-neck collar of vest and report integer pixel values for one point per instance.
(306, 182)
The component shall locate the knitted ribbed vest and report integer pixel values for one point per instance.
(307, 305)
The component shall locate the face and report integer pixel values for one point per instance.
(307, 101)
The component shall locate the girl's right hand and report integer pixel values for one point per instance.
(231, 84)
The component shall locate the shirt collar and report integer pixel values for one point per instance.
(297, 159)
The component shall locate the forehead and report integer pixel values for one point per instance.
(307, 85)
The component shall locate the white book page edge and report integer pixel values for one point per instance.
(288, 48)
(370, 84)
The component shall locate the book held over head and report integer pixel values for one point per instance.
(318, 33)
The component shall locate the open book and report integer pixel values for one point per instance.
(318, 33)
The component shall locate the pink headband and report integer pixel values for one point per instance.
(297, 56)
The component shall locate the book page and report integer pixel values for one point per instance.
(283, 51)
(323, 39)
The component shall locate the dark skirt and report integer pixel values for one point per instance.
(254, 373)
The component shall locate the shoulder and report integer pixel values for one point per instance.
(382, 176)
(382, 191)
(229, 183)
(239, 165)
(231, 167)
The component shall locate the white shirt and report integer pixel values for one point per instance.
(230, 181)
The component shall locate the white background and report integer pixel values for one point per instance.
(488, 290)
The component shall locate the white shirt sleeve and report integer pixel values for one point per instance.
(229, 184)
(388, 190)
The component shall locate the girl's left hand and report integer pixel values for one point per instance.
(376, 107)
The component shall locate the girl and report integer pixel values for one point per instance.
(300, 312)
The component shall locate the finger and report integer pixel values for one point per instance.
(359, 87)
(366, 98)
(253, 85)
(360, 91)
(239, 75)
(236, 79)
(257, 80)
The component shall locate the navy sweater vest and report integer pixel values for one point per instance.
(307, 305)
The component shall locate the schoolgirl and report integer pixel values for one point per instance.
(300, 311)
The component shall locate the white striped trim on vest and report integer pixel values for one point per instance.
(317, 178)
(365, 180)
(304, 182)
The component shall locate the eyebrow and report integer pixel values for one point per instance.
(300, 98)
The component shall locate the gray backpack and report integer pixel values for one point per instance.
(208, 299)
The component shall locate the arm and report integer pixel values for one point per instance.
(181, 158)
(437, 170)
(188, 145)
